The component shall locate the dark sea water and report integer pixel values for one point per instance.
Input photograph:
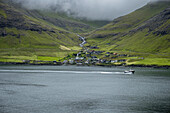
(73, 89)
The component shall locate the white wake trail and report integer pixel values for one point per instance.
(54, 71)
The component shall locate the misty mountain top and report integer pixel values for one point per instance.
(90, 9)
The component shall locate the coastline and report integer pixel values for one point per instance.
(101, 65)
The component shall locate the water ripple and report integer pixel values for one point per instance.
(21, 84)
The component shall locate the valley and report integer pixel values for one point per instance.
(140, 38)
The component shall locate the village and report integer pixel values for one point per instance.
(88, 57)
(91, 55)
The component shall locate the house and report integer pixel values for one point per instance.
(65, 61)
(87, 62)
(115, 53)
(108, 61)
(79, 63)
(55, 62)
(123, 55)
(71, 61)
(103, 61)
(79, 58)
(114, 61)
(94, 57)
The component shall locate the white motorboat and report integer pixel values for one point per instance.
(129, 72)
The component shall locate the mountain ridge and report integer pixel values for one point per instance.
(59, 19)
(129, 25)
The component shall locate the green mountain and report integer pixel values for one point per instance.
(47, 35)
(39, 34)
(25, 37)
(59, 19)
(144, 32)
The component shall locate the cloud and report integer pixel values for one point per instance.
(158, 0)
(90, 9)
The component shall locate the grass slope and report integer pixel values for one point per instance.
(24, 37)
(144, 32)
(77, 25)
(60, 19)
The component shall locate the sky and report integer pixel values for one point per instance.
(90, 9)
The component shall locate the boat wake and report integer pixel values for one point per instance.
(54, 71)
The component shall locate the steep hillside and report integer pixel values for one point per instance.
(63, 21)
(145, 32)
(23, 35)
(59, 19)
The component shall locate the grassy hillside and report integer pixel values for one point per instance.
(59, 19)
(24, 37)
(144, 32)
(144, 35)
(62, 20)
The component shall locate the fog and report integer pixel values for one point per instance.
(90, 9)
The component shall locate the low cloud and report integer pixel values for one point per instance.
(158, 0)
(90, 9)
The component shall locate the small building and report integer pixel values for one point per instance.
(65, 61)
(122, 60)
(123, 55)
(108, 61)
(55, 62)
(79, 58)
(115, 53)
(103, 61)
(71, 61)
(113, 61)
(86, 62)
(94, 57)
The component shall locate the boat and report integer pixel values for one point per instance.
(129, 72)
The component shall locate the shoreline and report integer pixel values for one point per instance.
(101, 65)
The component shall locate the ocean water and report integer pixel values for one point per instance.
(76, 89)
